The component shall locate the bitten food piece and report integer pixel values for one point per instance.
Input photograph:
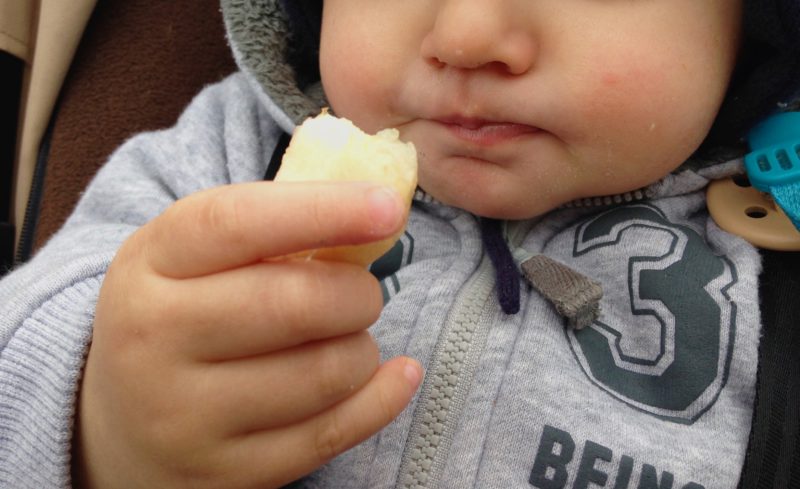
(331, 148)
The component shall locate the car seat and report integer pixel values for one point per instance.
(138, 64)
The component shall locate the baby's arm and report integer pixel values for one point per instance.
(217, 363)
(48, 305)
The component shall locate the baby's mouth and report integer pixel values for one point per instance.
(485, 132)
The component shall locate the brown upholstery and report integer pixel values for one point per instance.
(139, 63)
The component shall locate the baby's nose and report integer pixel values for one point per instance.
(472, 34)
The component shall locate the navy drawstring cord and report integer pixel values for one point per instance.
(508, 276)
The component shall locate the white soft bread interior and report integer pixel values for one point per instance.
(330, 148)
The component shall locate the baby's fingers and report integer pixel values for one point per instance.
(267, 307)
(289, 453)
(235, 225)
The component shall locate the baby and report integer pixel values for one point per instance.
(564, 149)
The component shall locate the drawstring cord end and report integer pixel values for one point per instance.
(508, 291)
(574, 296)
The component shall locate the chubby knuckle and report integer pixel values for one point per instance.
(175, 437)
(133, 248)
(350, 292)
(368, 350)
(356, 359)
(221, 214)
(373, 299)
(330, 439)
(330, 370)
(144, 250)
(198, 470)
(323, 285)
(315, 296)
(158, 308)
(126, 326)
(344, 365)
(296, 304)
(319, 216)
(166, 436)
(314, 282)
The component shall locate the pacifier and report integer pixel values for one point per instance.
(763, 207)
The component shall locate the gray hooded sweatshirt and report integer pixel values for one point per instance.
(657, 392)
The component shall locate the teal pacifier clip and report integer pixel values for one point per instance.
(773, 165)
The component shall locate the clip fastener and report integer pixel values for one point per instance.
(773, 166)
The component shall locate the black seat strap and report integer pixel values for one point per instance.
(12, 69)
(277, 156)
(773, 457)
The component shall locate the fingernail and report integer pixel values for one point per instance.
(385, 209)
(413, 372)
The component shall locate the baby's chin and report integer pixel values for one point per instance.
(496, 207)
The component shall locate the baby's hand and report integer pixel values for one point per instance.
(217, 363)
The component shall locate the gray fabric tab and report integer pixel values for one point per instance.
(575, 296)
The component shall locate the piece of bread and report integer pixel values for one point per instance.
(334, 149)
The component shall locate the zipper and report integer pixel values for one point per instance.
(28, 230)
(33, 205)
(637, 195)
(448, 381)
(449, 378)
(455, 359)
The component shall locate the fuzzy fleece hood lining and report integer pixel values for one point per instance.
(261, 40)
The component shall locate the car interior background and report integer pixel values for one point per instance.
(80, 77)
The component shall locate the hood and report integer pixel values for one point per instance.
(276, 43)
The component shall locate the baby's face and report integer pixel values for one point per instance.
(518, 106)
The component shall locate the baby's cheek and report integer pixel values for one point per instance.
(638, 105)
(635, 125)
(358, 95)
(360, 75)
(626, 99)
